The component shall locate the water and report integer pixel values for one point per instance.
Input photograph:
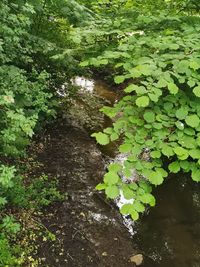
(169, 234)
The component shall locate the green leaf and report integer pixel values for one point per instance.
(195, 153)
(162, 172)
(155, 154)
(168, 106)
(185, 165)
(133, 186)
(131, 88)
(173, 88)
(127, 172)
(119, 124)
(174, 46)
(145, 186)
(198, 140)
(194, 65)
(111, 178)
(187, 141)
(181, 113)
(119, 79)
(174, 167)
(101, 138)
(167, 150)
(140, 90)
(191, 83)
(192, 120)
(157, 126)
(147, 199)
(196, 91)
(155, 178)
(153, 97)
(112, 191)
(196, 175)
(114, 136)
(109, 111)
(127, 209)
(138, 206)
(162, 83)
(134, 215)
(142, 101)
(108, 130)
(149, 116)
(3, 201)
(144, 69)
(180, 151)
(127, 192)
(189, 131)
(103, 61)
(125, 148)
(101, 186)
(114, 167)
(84, 63)
(179, 125)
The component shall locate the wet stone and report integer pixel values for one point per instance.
(137, 259)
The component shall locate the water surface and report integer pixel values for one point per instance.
(169, 234)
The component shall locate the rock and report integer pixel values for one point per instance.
(105, 254)
(137, 259)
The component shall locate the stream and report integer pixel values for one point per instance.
(169, 234)
(89, 229)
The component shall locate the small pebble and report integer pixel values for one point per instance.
(137, 259)
(104, 254)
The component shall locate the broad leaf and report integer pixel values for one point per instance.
(112, 191)
(192, 120)
(142, 101)
(101, 138)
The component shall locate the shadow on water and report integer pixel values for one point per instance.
(169, 235)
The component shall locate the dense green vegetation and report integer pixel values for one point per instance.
(32, 34)
(156, 58)
(151, 48)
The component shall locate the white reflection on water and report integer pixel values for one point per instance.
(83, 83)
(121, 200)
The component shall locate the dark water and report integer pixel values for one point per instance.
(169, 235)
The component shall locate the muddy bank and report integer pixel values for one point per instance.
(88, 228)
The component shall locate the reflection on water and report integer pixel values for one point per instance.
(97, 87)
(84, 83)
(169, 236)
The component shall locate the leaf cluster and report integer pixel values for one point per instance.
(159, 116)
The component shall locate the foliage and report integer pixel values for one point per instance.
(159, 116)
(28, 78)
(150, 47)
(9, 229)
